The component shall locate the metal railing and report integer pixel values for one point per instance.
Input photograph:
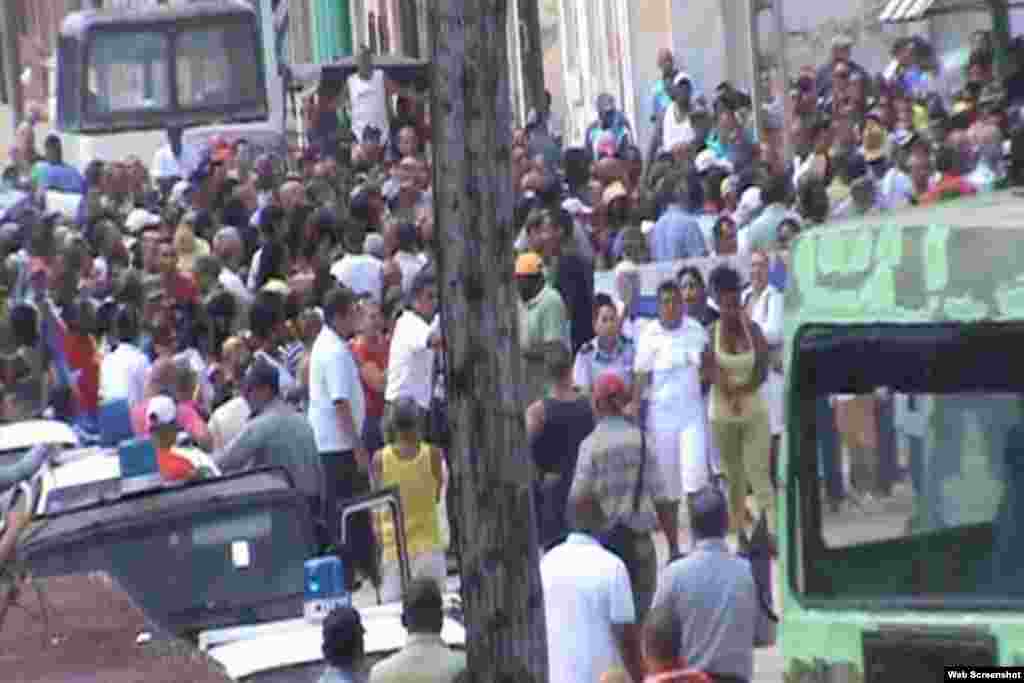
(388, 498)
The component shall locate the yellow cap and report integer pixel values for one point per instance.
(529, 264)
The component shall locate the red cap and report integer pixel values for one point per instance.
(608, 386)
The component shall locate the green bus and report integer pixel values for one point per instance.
(905, 355)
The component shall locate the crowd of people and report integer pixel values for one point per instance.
(289, 317)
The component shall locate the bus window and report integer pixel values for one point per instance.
(212, 70)
(922, 428)
(128, 72)
(936, 464)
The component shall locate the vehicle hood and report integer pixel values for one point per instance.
(247, 650)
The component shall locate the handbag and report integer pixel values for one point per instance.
(620, 538)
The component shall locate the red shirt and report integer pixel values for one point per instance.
(181, 288)
(378, 355)
(174, 467)
(80, 350)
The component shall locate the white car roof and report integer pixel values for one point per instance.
(28, 433)
(247, 650)
(89, 465)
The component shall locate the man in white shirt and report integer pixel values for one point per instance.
(337, 409)
(413, 342)
(123, 371)
(369, 92)
(589, 610)
(363, 273)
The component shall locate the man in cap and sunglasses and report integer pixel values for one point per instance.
(543, 318)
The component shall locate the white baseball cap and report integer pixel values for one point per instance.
(161, 411)
(707, 160)
(139, 219)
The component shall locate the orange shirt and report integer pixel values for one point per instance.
(174, 467)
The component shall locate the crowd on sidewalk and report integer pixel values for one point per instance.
(287, 315)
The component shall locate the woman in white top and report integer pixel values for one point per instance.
(667, 373)
(763, 304)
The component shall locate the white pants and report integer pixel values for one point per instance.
(432, 564)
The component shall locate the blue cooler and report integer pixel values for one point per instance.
(325, 587)
(139, 467)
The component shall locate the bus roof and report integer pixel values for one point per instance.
(960, 260)
(76, 24)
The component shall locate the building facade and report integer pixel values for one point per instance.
(611, 46)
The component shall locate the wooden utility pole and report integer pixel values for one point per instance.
(492, 508)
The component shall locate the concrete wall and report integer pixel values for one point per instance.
(6, 134)
(650, 30)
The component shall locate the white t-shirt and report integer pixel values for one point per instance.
(672, 358)
(410, 360)
(166, 166)
(123, 374)
(410, 264)
(233, 284)
(675, 132)
(369, 104)
(362, 273)
(333, 377)
(586, 592)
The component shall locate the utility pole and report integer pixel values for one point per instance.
(492, 506)
(10, 32)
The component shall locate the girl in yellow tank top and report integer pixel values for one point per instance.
(414, 466)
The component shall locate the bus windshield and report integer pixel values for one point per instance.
(130, 71)
(908, 466)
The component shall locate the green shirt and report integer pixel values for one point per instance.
(543, 319)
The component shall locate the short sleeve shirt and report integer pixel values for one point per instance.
(411, 360)
(333, 377)
(592, 361)
(608, 468)
(672, 358)
(543, 319)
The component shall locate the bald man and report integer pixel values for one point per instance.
(661, 96)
